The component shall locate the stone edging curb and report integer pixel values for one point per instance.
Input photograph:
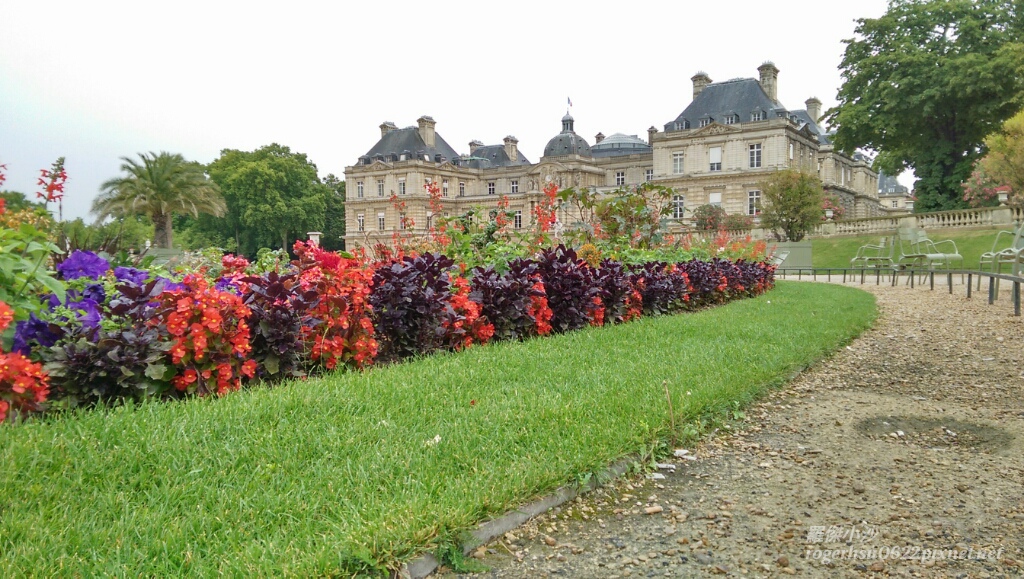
(426, 564)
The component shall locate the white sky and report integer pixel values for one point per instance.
(95, 81)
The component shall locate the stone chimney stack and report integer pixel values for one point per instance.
(598, 138)
(769, 79)
(512, 148)
(427, 130)
(474, 145)
(650, 134)
(386, 127)
(813, 109)
(700, 80)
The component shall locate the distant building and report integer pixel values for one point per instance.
(891, 195)
(730, 138)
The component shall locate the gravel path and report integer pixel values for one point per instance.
(899, 456)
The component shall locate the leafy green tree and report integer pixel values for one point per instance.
(638, 213)
(925, 83)
(17, 201)
(709, 217)
(121, 234)
(161, 186)
(274, 197)
(791, 204)
(1004, 162)
(334, 216)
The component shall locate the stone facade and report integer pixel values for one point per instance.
(727, 141)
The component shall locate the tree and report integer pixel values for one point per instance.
(1004, 162)
(925, 83)
(709, 217)
(273, 196)
(161, 186)
(791, 203)
(334, 216)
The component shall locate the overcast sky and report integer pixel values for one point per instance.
(95, 81)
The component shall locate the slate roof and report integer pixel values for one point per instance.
(886, 182)
(491, 156)
(740, 97)
(805, 119)
(567, 142)
(408, 140)
(618, 145)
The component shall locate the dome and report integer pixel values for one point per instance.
(567, 142)
(620, 144)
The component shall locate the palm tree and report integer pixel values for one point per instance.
(160, 186)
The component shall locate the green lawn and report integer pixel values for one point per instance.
(359, 471)
(837, 251)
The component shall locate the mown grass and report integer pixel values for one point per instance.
(837, 251)
(341, 475)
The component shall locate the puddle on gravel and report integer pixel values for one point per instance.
(936, 432)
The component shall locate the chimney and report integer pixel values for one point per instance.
(386, 127)
(474, 145)
(769, 79)
(650, 134)
(512, 148)
(598, 138)
(700, 80)
(813, 109)
(427, 131)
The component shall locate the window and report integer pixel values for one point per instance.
(649, 175)
(755, 156)
(729, 120)
(895, 204)
(490, 187)
(791, 151)
(620, 178)
(682, 125)
(361, 220)
(677, 163)
(753, 202)
(444, 188)
(401, 220)
(462, 188)
(359, 189)
(515, 186)
(715, 153)
(380, 187)
(380, 221)
(757, 116)
(517, 221)
(705, 122)
(678, 202)
(715, 199)
(401, 186)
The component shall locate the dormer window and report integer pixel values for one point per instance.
(682, 125)
(705, 122)
(730, 119)
(757, 116)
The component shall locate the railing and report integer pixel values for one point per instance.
(893, 275)
(978, 217)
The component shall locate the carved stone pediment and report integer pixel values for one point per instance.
(714, 129)
(379, 165)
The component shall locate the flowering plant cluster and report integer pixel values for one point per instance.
(23, 385)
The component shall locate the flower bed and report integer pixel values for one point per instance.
(120, 333)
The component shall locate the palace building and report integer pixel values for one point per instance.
(729, 139)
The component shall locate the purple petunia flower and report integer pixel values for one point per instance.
(169, 285)
(83, 264)
(95, 292)
(88, 312)
(227, 285)
(132, 275)
(32, 330)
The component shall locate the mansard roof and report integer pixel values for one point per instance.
(741, 96)
(804, 119)
(490, 157)
(408, 140)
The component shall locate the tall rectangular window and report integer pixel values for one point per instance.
(715, 199)
(715, 154)
(462, 188)
(380, 221)
(490, 187)
(677, 163)
(401, 186)
(401, 220)
(444, 188)
(518, 219)
(380, 187)
(755, 155)
(515, 186)
(895, 204)
(361, 220)
(620, 178)
(753, 202)
(678, 206)
(359, 189)
(791, 151)
(649, 175)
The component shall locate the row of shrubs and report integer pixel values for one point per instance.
(128, 334)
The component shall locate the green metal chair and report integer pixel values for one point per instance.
(870, 255)
(1003, 254)
(942, 253)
